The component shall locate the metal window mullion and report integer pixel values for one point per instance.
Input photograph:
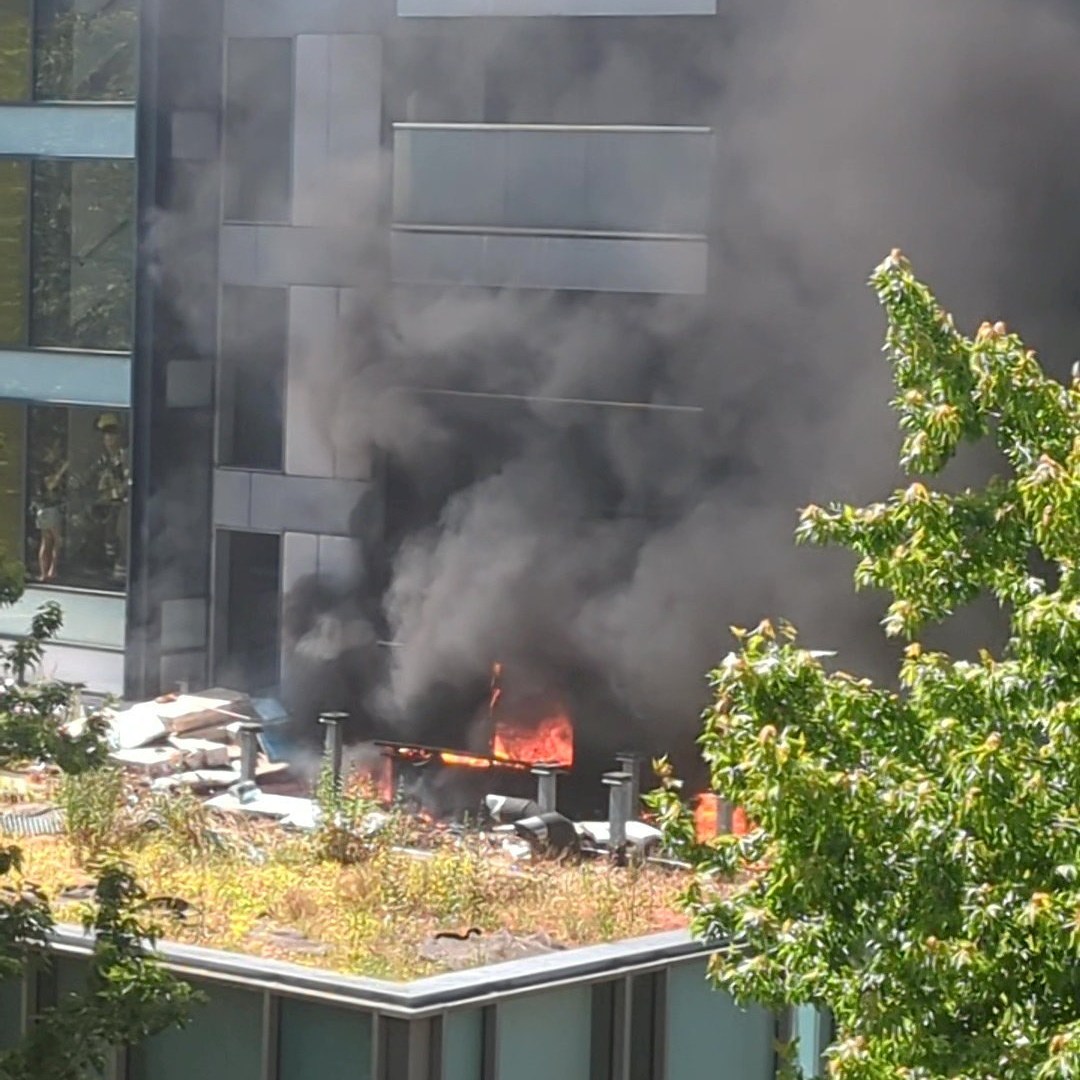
(271, 1040)
(621, 1033)
(489, 1062)
(660, 1026)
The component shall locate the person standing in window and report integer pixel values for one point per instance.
(112, 478)
(49, 516)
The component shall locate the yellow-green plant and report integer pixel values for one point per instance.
(915, 868)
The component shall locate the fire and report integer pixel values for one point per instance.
(468, 760)
(538, 733)
(551, 742)
(706, 817)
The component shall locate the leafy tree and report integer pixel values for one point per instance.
(128, 995)
(914, 864)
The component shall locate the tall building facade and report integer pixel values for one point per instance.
(310, 182)
(68, 76)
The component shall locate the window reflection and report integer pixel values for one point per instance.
(14, 206)
(77, 485)
(83, 250)
(15, 63)
(12, 478)
(84, 50)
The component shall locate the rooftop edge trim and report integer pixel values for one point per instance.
(422, 996)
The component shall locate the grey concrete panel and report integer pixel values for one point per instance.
(287, 18)
(355, 117)
(194, 135)
(278, 255)
(184, 668)
(311, 383)
(239, 245)
(232, 498)
(304, 504)
(99, 670)
(547, 262)
(299, 559)
(311, 129)
(189, 384)
(183, 624)
(338, 559)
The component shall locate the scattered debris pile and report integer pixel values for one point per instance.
(207, 742)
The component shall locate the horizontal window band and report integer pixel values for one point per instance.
(572, 129)
(99, 130)
(579, 234)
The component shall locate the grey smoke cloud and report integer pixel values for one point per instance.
(843, 127)
(619, 545)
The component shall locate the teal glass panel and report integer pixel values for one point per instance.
(78, 378)
(811, 1028)
(463, 1044)
(546, 1035)
(10, 1013)
(222, 1042)
(707, 1034)
(321, 1040)
(104, 131)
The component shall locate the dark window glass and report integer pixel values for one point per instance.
(605, 1000)
(254, 329)
(645, 1007)
(248, 656)
(15, 63)
(258, 129)
(14, 271)
(83, 254)
(84, 50)
(77, 487)
(12, 475)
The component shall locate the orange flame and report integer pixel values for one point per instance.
(468, 760)
(706, 817)
(548, 740)
(551, 742)
(374, 779)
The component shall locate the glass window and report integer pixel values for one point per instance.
(249, 598)
(254, 332)
(12, 499)
(258, 129)
(15, 64)
(83, 254)
(14, 206)
(76, 496)
(84, 50)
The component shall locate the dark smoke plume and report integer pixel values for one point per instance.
(609, 549)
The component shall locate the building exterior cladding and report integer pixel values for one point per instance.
(634, 1010)
(297, 166)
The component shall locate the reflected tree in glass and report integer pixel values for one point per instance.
(15, 60)
(85, 50)
(83, 254)
(14, 209)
